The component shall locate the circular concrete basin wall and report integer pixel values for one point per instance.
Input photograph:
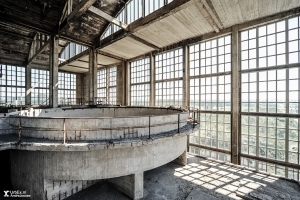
(102, 123)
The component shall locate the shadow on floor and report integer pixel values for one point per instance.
(200, 179)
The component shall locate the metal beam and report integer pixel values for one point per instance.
(38, 52)
(77, 12)
(108, 17)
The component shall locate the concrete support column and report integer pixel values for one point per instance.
(186, 77)
(152, 80)
(28, 86)
(235, 88)
(182, 159)
(127, 83)
(92, 76)
(53, 75)
(121, 83)
(79, 87)
(131, 185)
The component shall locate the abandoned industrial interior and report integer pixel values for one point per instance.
(150, 99)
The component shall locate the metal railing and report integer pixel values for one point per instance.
(20, 129)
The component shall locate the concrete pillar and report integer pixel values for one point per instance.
(127, 83)
(152, 80)
(121, 83)
(131, 185)
(53, 75)
(186, 78)
(79, 87)
(28, 85)
(235, 96)
(92, 76)
(182, 159)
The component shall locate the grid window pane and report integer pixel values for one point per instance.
(66, 89)
(12, 85)
(168, 66)
(140, 78)
(39, 87)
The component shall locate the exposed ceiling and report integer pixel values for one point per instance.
(21, 20)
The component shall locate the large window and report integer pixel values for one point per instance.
(210, 92)
(12, 88)
(101, 83)
(140, 82)
(270, 97)
(71, 50)
(134, 10)
(66, 88)
(39, 87)
(168, 74)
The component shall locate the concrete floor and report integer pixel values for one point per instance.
(201, 179)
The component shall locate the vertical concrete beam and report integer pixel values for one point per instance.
(186, 77)
(79, 86)
(92, 76)
(53, 61)
(121, 82)
(28, 85)
(131, 185)
(235, 88)
(127, 83)
(152, 80)
(182, 159)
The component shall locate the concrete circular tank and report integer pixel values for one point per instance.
(101, 143)
(102, 123)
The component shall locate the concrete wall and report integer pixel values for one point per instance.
(56, 190)
(27, 172)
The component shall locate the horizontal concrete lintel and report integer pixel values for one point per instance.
(33, 146)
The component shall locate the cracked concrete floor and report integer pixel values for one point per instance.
(201, 179)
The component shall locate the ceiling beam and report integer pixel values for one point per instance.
(110, 55)
(6, 32)
(143, 41)
(77, 12)
(69, 65)
(107, 17)
(30, 59)
(13, 21)
(212, 11)
(9, 61)
(208, 15)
